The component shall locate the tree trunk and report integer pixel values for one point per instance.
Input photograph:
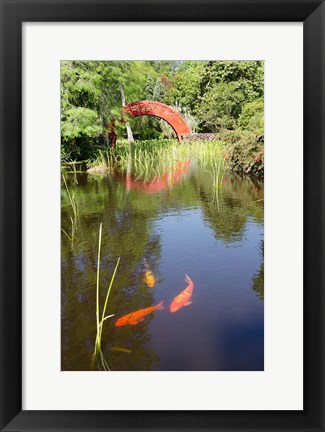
(127, 124)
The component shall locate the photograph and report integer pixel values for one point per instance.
(162, 226)
(162, 215)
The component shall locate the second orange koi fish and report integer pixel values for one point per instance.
(133, 318)
(149, 279)
(184, 298)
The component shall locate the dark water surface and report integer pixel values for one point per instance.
(174, 224)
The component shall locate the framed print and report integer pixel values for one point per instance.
(132, 151)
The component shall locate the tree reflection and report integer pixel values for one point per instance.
(238, 199)
(258, 279)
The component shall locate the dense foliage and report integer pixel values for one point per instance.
(244, 151)
(225, 97)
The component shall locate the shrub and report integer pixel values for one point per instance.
(244, 151)
(78, 149)
(252, 117)
(78, 128)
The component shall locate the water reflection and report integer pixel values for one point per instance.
(258, 279)
(170, 223)
(157, 182)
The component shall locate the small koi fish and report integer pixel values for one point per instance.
(149, 279)
(120, 349)
(183, 299)
(134, 318)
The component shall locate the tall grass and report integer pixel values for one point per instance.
(217, 173)
(101, 317)
(71, 198)
(73, 228)
(74, 206)
(148, 158)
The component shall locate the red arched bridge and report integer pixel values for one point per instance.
(158, 109)
(152, 108)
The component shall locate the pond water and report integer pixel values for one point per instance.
(170, 224)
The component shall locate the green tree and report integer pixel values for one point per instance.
(80, 101)
(220, 107)
(248, 76)
(216, 91)
(150, 87)
(159, 92)
(186, 84)
(252, 116)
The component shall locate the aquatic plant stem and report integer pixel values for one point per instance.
(100, 322)
(97, 281)
(72, 230)
(106, 300)
(73, 205)
(66, 234)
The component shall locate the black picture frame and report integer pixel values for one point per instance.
(13, 14)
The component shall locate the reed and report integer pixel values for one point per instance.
(217, 174)
(66, 234)
(71, 199)
(149, 158)
(101, 317)
(73, 229)
(74, 206)
(73, 167)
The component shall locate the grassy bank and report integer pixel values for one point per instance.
(157, 155)
(241, 151)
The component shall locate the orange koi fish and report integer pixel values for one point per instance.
(183, 299)
(133, 318)
(149, 279)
